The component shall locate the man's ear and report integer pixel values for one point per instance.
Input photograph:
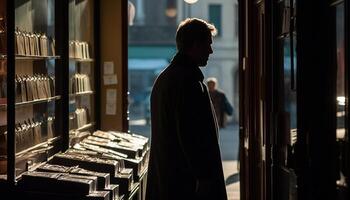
(195, 44)
(191, 49)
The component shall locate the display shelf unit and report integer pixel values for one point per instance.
(82, 66)
(42, 116)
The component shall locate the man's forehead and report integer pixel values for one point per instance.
(209, 40)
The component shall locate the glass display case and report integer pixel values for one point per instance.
(82, 91)
(35, 94)
(29, 100)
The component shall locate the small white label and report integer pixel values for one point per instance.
(263, 153)
(110, 79)
(108, 67)
(111, 101)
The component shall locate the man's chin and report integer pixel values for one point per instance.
(203, 64)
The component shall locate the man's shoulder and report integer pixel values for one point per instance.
(169, 76)
(173, 72)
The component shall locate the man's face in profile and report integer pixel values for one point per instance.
(201, 51)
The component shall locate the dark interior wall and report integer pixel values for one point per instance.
(316, 101)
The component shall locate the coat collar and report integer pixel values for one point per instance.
(182, 60)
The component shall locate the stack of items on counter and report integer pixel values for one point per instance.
(61, 182)
(104, 165)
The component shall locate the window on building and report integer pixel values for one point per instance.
(215, 17)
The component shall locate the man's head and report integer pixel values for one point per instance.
(194, 38)
(212, 84)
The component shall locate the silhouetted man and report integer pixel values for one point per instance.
(185, 160)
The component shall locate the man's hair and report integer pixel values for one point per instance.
(193, 30)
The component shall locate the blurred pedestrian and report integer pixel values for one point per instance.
(222, 106)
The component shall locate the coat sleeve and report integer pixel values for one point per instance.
(227, 106)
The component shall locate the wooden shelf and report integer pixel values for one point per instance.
(40, 146)
(39, 101)
(34, 101)
(25, 57)
(86, 126)
(81, 93)
(29, 57)
(82, 59)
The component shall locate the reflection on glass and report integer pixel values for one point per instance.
(290, 96)
(341, 99)
(341, 129)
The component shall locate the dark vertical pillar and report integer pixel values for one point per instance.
(316, 99)
(97, 63)
(124, 55)
(11, 144)
(62, 71)
(269, 97)
(244, 101)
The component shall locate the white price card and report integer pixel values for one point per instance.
(111, 101)
(108, 67)
(110, 79)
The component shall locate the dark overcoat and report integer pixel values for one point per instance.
(185, 160)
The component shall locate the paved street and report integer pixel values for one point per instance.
(229, 152)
